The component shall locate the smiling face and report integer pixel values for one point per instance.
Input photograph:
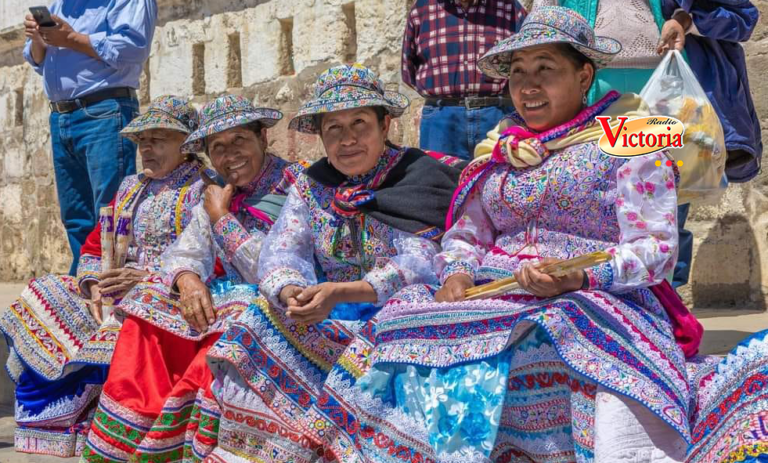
(354, 139)
(160, 151)
(237, 154)
(547, 86)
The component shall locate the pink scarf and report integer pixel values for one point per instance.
(238, 204)
(687, 330)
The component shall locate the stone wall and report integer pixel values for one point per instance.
(271, 50)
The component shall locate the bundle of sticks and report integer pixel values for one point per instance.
(114, 247)
(558, 269)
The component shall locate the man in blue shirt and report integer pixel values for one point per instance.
(90, 61)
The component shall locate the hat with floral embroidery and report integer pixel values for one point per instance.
(227, 112)
(550, 24)
(347, 87)
(165, 112)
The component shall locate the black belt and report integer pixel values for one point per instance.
(67, 106)
(469, 102)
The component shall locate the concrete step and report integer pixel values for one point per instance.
(724, 328)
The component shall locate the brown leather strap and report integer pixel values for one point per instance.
(469, 102)
(67, 106)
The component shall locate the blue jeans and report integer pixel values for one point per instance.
(685, 248)
(90, 159)
(456, 130)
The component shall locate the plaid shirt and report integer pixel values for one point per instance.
(443, 42)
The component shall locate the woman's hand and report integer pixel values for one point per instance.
(217, 200)
(115, 283)
(454, 288)
(315, 303)
(673, 32)
(542, 285)
(95, 304)
(196, 302)
(288, 295)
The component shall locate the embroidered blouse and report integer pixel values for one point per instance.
(162, 208)
(236, 238)
(309, 237)
(578, 200)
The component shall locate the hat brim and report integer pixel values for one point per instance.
(394, 102)
(496, 63)
(195, 143)
(152, 120)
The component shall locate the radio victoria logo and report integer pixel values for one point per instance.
(640, 136)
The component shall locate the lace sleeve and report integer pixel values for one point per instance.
(465, 244)
(411, 265)
(241, 248)
(192, 251)
(287, 254)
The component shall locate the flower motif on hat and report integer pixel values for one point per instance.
(227, 112)
(347, 87)
(165, 112)
(546, 25)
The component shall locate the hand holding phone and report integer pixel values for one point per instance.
(42, 16)
(48, 30)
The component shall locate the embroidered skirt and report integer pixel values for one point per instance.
(59, 358)
(730, 421)
(157, 403)
(270, 371)
(513, 379)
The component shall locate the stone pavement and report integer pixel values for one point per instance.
(724, 328)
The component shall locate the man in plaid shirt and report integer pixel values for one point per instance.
(443, 41)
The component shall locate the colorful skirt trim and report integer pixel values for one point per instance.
(157, 403)
(59, 358)
(512, 379)
(269, 372)
(51, 331)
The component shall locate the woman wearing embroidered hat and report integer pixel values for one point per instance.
(61, 347)
(159, 386)
(358, 225)
(587, 366)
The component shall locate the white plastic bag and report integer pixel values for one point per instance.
(674, 91)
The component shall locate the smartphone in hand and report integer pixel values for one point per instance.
(42, 16)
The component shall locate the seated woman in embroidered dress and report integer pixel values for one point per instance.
(582, 367)
(60, 349)
(159, 385)
(358, 225)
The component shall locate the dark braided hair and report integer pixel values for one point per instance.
(254, 127)
(576, 57)
(380, 111)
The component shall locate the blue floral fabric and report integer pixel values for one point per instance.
(460, 406)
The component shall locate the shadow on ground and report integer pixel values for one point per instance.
(720, 342)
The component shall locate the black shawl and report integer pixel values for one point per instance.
(415, 197)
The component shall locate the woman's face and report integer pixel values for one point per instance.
(546, 87)
(160, 151)
(354, 139)
(237, 154)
